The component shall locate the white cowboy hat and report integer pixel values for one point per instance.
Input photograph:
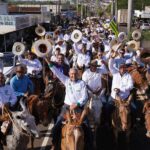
(122, 36)
(76, 36)
(136, 35)
(41, 44)
(133, 45)
(18, 48)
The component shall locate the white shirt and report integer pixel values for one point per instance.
(77, 47)
(89, 45)
(67, 37)
(62, 48)
(92, 79)
(7, 95)
(54, 59)
(31, 65)
(83, 59)
(76, 92)
(123, 83)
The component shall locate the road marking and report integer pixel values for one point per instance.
(45, 141)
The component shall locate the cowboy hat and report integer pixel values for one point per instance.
(94, 63)
(136, 35)
(76, 36)
(133, 45)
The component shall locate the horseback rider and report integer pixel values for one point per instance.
(122, 85)
(34, 70)
(8, 100)
(21, 83)
(76, 96)
(93, 78)
(34, 66)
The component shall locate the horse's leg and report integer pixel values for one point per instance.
(128, 133)
(32, 142)
(79, 139)
(94, 137)
(116, 138)
(1, 145)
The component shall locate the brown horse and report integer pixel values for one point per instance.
(121, 119)
(140, 78)
(72, 131)
(38, 84)
(39, 108)
(146, 111)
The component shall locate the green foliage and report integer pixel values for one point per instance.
(108, 9)
(99, 12)
(146, 35)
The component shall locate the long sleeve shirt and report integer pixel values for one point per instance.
(21, 85)
(83, 60)
(76, 91)
(124, 83)
(31, 65)
(63, 49)
(7, 94)
(92, 79)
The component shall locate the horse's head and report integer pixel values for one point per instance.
(49, 90)
(24, 121)
(124, 111)
(42, 109)
(146, 111)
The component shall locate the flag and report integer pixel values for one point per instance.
(113, 26)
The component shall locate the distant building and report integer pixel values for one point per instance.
(3, 9)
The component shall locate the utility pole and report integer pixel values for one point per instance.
(130, 4)
(116, 9)
(77, 5)
(113, 8)
(81, 10)
(59, 3)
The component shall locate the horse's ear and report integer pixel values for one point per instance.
(22, 104)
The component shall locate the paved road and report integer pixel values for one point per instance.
(105, 139)
(44, 143)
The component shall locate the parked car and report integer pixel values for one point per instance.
(145, 26)
(7, 62)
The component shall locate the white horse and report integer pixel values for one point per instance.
(23, 127)
(95, 110)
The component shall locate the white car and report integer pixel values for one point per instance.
(7, 63)
(145, 26)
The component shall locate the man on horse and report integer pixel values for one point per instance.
(7, 100)
(92, 78)
(33, 65)
(34, 70)
(122, 85)
(76, 96)
(21, 84)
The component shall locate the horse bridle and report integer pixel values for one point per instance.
(16, 125)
